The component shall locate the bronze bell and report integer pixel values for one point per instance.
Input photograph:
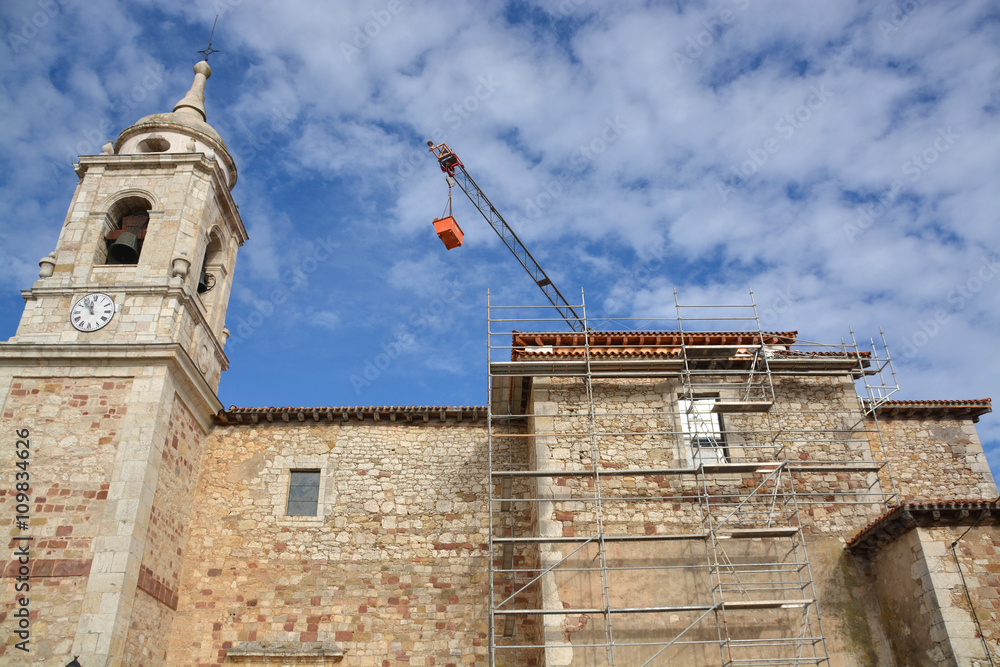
(203, 282)
(125, 249)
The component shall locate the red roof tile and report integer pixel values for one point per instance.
(900, 519)
(343, 414)
(660, 344)
(970, 409)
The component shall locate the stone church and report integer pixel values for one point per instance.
(705, 494)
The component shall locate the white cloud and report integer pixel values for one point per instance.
(333, 144)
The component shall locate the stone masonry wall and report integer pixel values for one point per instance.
(74, 425)
(815, 420)
(906, 598)
(516, 565)
(394, 568)
(170, 516)
(935, 458)
(925, 607)
(979, 554)
(978, 551)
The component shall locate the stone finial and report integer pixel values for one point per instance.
(108, 148)
(180, 266)
(47, 265)
(193, 104)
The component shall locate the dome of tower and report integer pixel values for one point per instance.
(183, 130)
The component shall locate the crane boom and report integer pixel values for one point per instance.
(455, 170)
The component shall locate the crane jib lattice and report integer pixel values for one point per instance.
(455, 170)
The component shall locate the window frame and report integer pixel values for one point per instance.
(315, 487)
(714, 431)
(279, 481)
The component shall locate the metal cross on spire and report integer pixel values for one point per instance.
(208, 50)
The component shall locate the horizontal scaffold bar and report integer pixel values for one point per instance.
(712, 469)
(731, 605)
(731, 534)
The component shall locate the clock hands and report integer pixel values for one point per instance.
(92, 312)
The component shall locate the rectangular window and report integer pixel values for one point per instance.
(703, 431)
(303, 493)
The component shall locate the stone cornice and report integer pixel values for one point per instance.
(98, 355)
(935, 409)
(182, 293)
(153, 124)
(922, 513)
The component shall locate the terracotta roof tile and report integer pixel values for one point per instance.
(659, 344)
(352, 413)
(976, 402)
(970, 408)
(913, 513)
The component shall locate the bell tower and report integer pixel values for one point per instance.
(112, 374)
(153, 226)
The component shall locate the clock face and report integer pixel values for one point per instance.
(92, 312)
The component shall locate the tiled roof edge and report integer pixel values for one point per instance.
(352, 414)
(912, 513)
(969, 409)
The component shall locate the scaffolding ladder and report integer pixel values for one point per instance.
(644, 507)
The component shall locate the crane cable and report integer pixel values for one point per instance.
(447, 208)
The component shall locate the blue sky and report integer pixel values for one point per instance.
(840, 158)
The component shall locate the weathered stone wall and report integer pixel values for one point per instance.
(935, 458)
(638, 425)
(394, 570)
(149, 631)
(979, 554)
(903, 588)
(978, 551)
(516, 565)
(169, 519)
(74, 426)
(925, 606)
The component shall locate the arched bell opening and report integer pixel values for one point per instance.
(214, 257)
(125, 231)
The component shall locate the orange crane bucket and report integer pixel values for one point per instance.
(449, 232)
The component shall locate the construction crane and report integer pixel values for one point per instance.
(451, 234)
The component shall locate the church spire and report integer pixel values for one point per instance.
(193, 104)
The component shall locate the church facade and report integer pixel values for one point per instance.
(658, 497)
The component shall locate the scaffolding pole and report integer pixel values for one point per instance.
(617, 457)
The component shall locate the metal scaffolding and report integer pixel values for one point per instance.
(649, 488)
